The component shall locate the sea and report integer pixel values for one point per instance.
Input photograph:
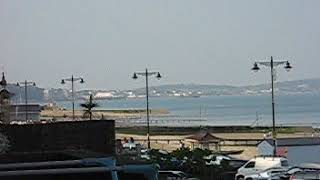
(291, 110)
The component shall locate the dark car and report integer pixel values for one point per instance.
(175, 175)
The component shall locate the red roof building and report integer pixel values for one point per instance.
(204, 141)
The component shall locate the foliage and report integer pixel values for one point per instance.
(181, 159)
(190, 162)
(88, 106)
(182, 152)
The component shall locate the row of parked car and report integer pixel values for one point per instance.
(259, 168)
(277, 168)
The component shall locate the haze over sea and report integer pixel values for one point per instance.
(301, 109)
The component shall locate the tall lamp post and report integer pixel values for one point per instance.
(72, 80)
(26, 84)
(147, 74)
(272, 64)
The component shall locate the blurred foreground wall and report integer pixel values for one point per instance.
(94, 136)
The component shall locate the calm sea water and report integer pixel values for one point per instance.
(230, 110)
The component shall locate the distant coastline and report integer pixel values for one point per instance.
(297, 87)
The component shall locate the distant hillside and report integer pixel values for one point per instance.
(287, 87)
(195, 88)
(36, 94)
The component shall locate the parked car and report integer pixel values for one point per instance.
(306, 175)
(268, 174)
(286, 175)
(260, 164)
(175, 175)
(213, 159)
(307, 171)
(310, 166)
(92, 168)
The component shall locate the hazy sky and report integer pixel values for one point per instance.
(188, 41)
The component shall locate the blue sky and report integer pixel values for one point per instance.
(188, 41)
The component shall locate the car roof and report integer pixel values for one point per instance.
(269, 158)
(310, 166)
(174, 172)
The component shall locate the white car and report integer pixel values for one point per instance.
(215, 159)
(129, 146)
(259, 165)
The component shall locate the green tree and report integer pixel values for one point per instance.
(88, 106)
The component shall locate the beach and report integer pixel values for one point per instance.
(248, 151)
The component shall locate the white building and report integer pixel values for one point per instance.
(103, 95)
(297, 150)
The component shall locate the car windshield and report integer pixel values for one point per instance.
(250, 164)
(284, 163)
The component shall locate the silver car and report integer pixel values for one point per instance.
(306, 175)
(268, 174)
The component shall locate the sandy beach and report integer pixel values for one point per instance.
(248, 151)
(98, 114)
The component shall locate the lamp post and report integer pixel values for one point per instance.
(147, 74)
(272, 64)
(72, 80)
(26, 84)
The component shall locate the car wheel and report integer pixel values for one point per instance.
(240, 178)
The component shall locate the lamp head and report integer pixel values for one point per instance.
(255, 67)
(134, 76)
(288, 66)
(159, 76)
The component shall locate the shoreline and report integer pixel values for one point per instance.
(106, 113)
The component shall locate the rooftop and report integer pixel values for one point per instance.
(203, 137)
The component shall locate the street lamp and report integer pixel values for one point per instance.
(26, 84)
(272, 64)
(72, 80)
(147, 74)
